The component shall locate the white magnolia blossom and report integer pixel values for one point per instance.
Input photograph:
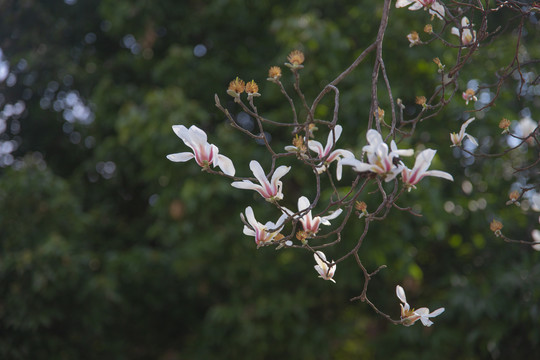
(422, 163)
(465, 34)
(458, 138)
(326, 152)
(410, 316)
(325, 271)
(432, 6)
(270, 190)
(311, 224)
(263, 234)
(203, 152)
(380, 161)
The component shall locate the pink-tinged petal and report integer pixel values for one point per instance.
(317, 147)
(279, 173)
(403, 3)
(401, 294)
(440, 174)
(226, 165)
(180, 157)
(357, 165)
(336, 133)
(258, 171)
(211, 152)
(247, 185)
(424, 159)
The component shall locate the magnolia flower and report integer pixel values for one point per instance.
(410, 316)
(203, 152)
(380, 161)
(458, 138)
(432, 6)
(466, 35)
(328, 156)
(469, 95)
(271, 191)
(423, 160)
(311, 224)
(326, 272)
(263, 234)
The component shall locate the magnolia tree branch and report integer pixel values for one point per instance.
(381, 173)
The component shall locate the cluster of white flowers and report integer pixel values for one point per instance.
(382, 160)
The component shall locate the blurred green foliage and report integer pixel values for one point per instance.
(109, 250)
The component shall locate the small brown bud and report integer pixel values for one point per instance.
(421, 100)
(496, 227)
(296, 57)
(360, 206)
(504, 124)
(428, 29)
(236, 87)
(274, 73)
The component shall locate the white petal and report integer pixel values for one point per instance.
(472, 139)
(226, 165)
(258, 171)
(455, 31)
(357, 165)
(181, 157)
(316, 146)
(320, 258)
(181, 131)
(437, 9)
(251, 217)
(464, 126)
(246, 185)
(401, 152)
(281, 220)
(197, 136)
(416, 6)
(403, 3)
(279, 173)
(330, 141)
(536, 235)
(436, 312)
(438, 173)
(401, 294)
(303, 203)
(335, 214)
(374, 137)
(248, 231)
(465, 21)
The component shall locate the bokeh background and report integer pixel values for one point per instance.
(110, 251)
